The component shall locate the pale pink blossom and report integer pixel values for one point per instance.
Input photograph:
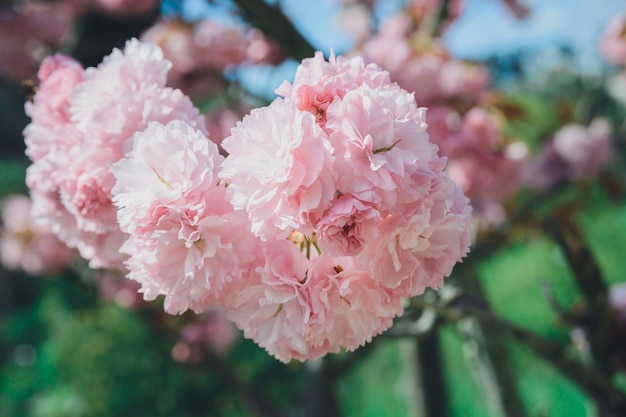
(128, 7)
(584, 149)
(27, 245)
(279, 169)
(319, 82)
(349, 307)
(418, 248)
(380, 144)
(612, 44)
(274, 307)
(301, 309)
(114, 287)
(210, 330)
(185, 240)
(391, 224)
(97, 111)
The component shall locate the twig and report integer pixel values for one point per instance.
(272, 22)
(608, 398)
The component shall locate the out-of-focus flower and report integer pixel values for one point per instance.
(124, 292)
(428, 71)
(584, 149)
(30, 32)
(574, 153)
(613, 42)
(128, 7)
(27, 245)
(200, 52)
(210, 330)
(355, 19)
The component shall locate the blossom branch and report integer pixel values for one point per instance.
(589, 279)
(608, 398)
(273, 23)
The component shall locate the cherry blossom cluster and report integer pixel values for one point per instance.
(331, 207)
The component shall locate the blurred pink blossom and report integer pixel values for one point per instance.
(124, 292)
(30, 32)
(27, 245)
(209, 330)
(612, 44)
(338, 278)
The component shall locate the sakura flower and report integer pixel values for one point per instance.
(583, 149)
(26, 245)
(185, 241)
(279, 169)
(302, 310)
(418, 248)
(382, 221)
(612, 44)
(210, 330)
(349, 306)
(319, 82)
(274, 307)
(83, 122)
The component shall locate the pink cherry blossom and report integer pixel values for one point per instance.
(418, 248)
(349, 307)
(27, 245)
(380, 142)
(301, 309)
(274, 308)
(584, 149)
(185, 241)
(209, 330)
(319, 82)
(95, 114)
(612, 44)
(279, 169)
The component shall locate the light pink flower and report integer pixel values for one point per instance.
(95, 114)
(185, 241)
(319, 82)
(26, 245)
(114, 287)
(274, 307)
(613, 41)
(584, 149)
(210, 330)
(301, 309)
(380, 142)
(349, 307)
(279, 169)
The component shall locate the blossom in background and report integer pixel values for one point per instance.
(201, 51)
(27, 245)
(575, 152)
(98, 110)
(208, 331)
(612, 44)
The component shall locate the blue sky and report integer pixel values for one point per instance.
(484, 28)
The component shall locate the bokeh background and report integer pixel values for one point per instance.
(525, 98)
